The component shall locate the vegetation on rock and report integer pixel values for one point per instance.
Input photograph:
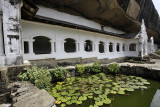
(96, 67)
(113, 68)
(41, 77)
(59, 73)
(80, 68)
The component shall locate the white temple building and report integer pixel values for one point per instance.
(73, 37)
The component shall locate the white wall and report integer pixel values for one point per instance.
(59, 34)
(2, 58)
(1, 38)
(109, 29)
(54, 14)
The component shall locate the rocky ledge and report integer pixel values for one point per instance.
(27, 95)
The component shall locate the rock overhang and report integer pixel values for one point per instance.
(125, 15)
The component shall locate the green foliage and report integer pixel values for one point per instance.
(87, 68)
(59, 73)
(131, 59)
(41, 77)
(80, 69)
(158, 51)
(96, 67)
(113, 68)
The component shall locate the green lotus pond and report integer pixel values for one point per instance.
(105, 90)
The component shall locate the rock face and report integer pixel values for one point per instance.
(125, 15)
(27, 95)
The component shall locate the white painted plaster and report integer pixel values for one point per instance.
(54, 14)
(59, 34)
(109, 29)
(1, 38)
(11, 21)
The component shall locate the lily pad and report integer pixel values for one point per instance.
(143, 87)
(90, 96)
(129, 89)
(99, 103)
(64, 100)
(107, 101)
(121, 92)
(79, 102)
(63, 105)
(58, 102)
(68, 102)
(113, 92)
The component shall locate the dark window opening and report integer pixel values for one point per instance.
(123, 47)
(26, 47)
(69, 45)
(101, 47)
(132, 47)
(41, 45)
(88, 46)
(110, 47)
(118, 47)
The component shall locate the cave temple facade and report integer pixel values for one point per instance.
(56, 35)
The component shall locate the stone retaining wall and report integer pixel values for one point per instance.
(7, 76)
(142, 71)
(73, 61)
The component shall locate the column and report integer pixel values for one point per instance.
(146, 50)
(77, 46)
(106, 47)
(31, 47)
(114, 47)
(52, 47)
(120, 47)
(1, 40)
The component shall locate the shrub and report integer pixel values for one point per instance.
(80, 68)
(96, 67)
(113, 68)
(87, 68)
(41, 77)
(158, 51)
(59, 73)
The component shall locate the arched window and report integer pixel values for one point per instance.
(123, 47)
(88, 46)
(41, 45)
(110, 47)
(132, 47)
(118, 47)
(69, 45)
(101, 47)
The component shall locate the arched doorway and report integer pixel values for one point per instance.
(69, 45)
(110, 47)
(88, 46)
(101, 47)
(41, 45)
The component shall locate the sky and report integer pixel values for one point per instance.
(157, 5)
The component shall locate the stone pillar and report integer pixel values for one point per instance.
(1, 40)
(96, 47)
(120, 47)
(31, 47)
(12, 31)
(114, 47)
(141, 50)
(77, 46)
(146, 50)
(62, 45)
(106, 47)
(52, 47)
